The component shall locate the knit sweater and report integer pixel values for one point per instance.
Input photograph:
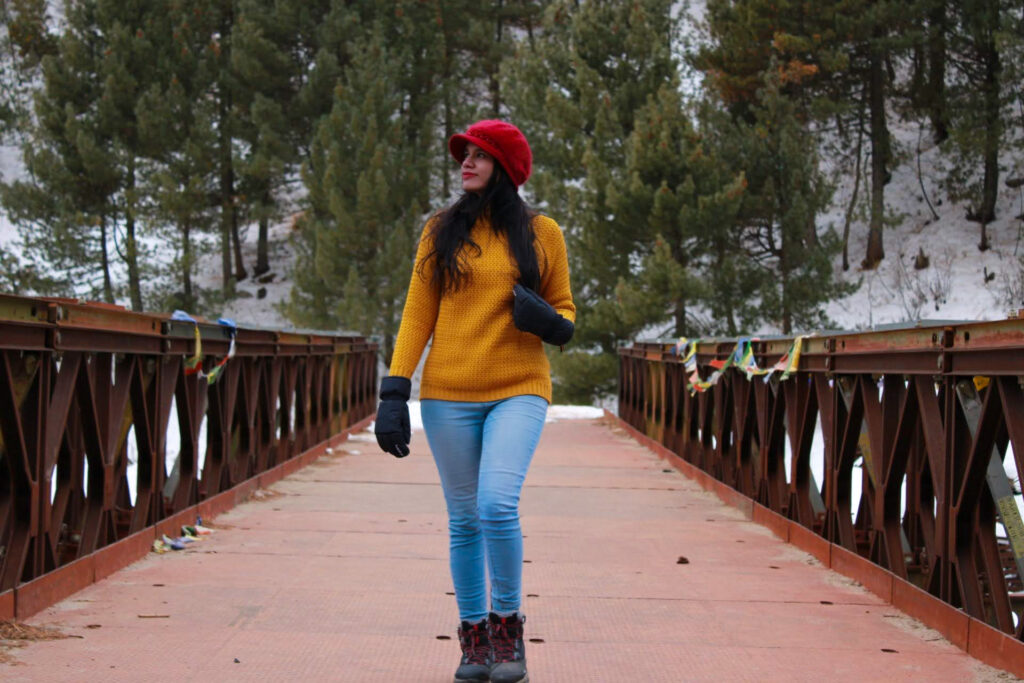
(477, 353)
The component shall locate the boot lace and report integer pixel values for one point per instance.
(476, 648)
(504, 633)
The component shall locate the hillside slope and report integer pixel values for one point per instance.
(961, 282)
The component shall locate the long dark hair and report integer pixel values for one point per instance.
(508, 214)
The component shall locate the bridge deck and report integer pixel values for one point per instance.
(341, 574)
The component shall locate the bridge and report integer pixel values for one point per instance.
(758, 509)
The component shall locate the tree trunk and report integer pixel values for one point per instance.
(389, 334)
(811, 234)
(993, 130)
(186, 266)
(227, 203)
(937, 71)
(131, 247)
(784, 268)
(262, 243)
(108, 285)
(228, 219)
(680, 316)
(853, 198)
(529, 31)
(226, 215)
(448, 132)
(784, 251)
(495, 85)
(680, 257)
(236, 242)
(879, 158)
(262, 247)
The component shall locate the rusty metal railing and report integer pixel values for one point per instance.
(90, 392)
(905, 446)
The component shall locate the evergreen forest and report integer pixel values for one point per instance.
(688, 153)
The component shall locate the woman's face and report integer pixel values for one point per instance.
(477, 168)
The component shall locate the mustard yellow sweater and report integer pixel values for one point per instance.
(477, 353)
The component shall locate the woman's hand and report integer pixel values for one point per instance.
(392, 424)
(533, 314)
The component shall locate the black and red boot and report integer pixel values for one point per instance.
(508, 652)
(475, 665)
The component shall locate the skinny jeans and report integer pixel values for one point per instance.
(482, 452)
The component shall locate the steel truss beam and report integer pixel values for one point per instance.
(86, 387)
(922, 418)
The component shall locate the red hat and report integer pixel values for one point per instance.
(501, 140)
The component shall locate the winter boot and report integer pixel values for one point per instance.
(476, 653)
(508, 653)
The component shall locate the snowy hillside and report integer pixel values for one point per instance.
(258, 299)
(961, 282)
(953, 287)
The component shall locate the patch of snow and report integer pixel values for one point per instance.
(415, 417)
(249, 309)
(555, 413)
(559, 412)
(11, 169)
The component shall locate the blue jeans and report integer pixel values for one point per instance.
(482, 451)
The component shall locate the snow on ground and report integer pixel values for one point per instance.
(10, 168)
(961, 282)
(173, 441)
(556, 413)
(249, 308)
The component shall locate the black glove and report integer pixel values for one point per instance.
(534, 315)
(392, 425)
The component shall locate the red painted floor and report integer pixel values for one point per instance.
(342, 575)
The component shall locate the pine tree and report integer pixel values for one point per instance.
(274, 44)
(977, 104)
(831, 56)
(786, 193)
(576, 92)
(66, 210)
(220, 16)
(681, 201)
(133, 32)
(368, 178)
(176, 126)
(25, 39)
(178, 189)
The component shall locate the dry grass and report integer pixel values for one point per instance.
(12, 630)
(14, 635)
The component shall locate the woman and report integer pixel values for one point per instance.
(491, 282)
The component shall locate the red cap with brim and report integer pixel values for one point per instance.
(501, 140)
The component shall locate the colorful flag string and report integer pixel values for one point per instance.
(194, 364)
(742, 358)
(219, 367)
